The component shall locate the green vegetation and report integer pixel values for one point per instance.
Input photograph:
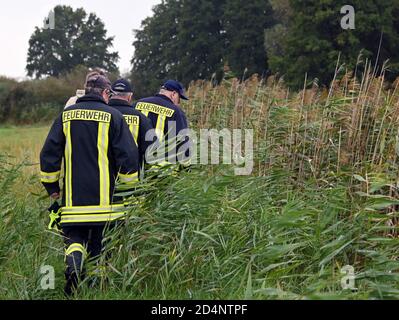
(189, 40)
(323, 195)
(324, 190)
(77, 39)
(289, 38)
(314, 39)
(39, 101)
(207, 40)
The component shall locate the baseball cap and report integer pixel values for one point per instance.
(122, 85)
(173, 85)
(98, 81)
(95, 72)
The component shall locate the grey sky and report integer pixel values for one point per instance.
(19, 18)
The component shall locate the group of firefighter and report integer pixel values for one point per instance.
(102, 140)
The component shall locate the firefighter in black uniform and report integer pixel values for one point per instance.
(98, 149)
(139, 124)
(168, 119)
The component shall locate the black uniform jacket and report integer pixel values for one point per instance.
(98, 148)
(139, 126)
(170, 123)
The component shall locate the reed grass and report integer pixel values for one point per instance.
(324, 194)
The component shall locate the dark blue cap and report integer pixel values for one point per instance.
(172, 85)
(121, 85)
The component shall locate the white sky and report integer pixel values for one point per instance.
(18, 19)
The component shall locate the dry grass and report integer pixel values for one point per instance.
(352, 125)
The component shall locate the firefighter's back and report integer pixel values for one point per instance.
(91, 168)
(97, 149)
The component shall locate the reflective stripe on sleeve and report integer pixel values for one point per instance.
(49, 177)
(128, 178)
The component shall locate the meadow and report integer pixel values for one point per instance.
(323, 195)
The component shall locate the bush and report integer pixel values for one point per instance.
(38, 101)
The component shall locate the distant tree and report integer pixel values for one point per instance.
(182, 40)
(315, 39)
(245, 23)
(274, 36)
(156, 48)
(78, 39)
(201, 41)
(190, 40)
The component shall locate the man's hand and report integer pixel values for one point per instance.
(55, 196)
(55, 215)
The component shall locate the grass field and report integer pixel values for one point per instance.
(23, 143)
(323, 195)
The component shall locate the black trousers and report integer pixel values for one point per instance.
(81, 243)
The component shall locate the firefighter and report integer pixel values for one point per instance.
(138, 123)
(80, 93)
(95, 143)
(169, 121)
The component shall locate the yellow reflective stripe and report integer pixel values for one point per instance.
(134, 129)
(128, 178)
(155, 108)
(104, 217)
(145, 112)
(102, 146)
(68, 164)
(160, 127)
(50, 177)
(75, 247)
(93, 209)
(136, 134)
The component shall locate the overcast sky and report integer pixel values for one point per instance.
(18, 19)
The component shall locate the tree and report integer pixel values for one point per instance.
(155, 48)
(181, 40)
(78, 39)
(200, 40)
(274, 36)
(245, 23)
(190, 40)
(315, 39)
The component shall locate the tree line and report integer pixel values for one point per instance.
(292, 38)
(208, 39)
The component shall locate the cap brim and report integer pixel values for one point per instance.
(184, 97)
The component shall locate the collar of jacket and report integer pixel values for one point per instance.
(91, 97)
(118, 102)
(164, 97)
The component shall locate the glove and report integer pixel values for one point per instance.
(55, 216)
